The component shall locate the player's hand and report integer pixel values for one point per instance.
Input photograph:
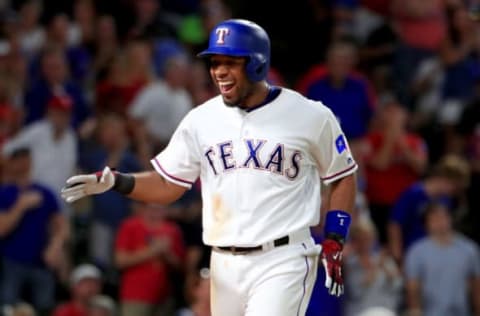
(331, 257)
(87, 184)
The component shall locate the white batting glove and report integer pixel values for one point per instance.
(87, 184)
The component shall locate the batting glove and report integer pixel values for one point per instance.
(88, 184)
(331, 257)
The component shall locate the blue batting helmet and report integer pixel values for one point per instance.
(241, 38)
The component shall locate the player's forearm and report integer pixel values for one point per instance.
(150, 187)
(342, 194)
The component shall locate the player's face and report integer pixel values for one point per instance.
(228, 74)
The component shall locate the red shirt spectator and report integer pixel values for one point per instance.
(70, 309)
(85, 283)
(393, 160)
(420, 24)
(386, 185)
(146, 247)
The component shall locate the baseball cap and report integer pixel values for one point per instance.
(85, 271)
(60, 102)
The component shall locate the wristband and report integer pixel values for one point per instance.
(336, 225)
(124, 183)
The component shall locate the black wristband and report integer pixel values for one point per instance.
(124, 183)
(336, 237)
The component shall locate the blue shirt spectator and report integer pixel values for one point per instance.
(442, 269)
(54, 80)
(350, 103)
(408, 213)
(443, 272)
(346, 92)
(446, 179)
(37, 97)
(28, 241)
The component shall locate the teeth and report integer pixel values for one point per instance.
(223, 84)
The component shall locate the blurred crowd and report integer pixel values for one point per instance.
(85, 84)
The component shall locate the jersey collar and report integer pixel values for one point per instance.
(273, 92)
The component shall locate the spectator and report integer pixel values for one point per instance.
(372, 278)
(127, 75)
(33, 234)
(82, 28)
(459, 53)
(442, 269)
(348, 95)
(148, 249)
(427, 84)
(151, 21)
(31, 34)
(421, 28)
(109, 146)
(102, 305)
(52, 143)
(54, 80)
(446, 180)
(160, 106)
(76, 54)
(105, 47)
(200, 305)
(85, 284)
(391, 152)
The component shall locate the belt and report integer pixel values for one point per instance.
(285, 240)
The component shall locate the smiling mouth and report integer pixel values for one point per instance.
(225, 87)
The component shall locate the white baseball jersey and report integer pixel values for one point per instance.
(260, 170)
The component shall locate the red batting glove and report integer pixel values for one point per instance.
(331, 257)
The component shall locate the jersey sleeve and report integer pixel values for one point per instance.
(332, 151)
(179, 162)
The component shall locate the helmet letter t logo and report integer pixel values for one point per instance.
(221, 33)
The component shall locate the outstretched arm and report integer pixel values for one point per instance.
(149, 186)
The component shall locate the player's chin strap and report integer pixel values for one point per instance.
(337, 224)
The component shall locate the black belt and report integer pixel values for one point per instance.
(276, 243)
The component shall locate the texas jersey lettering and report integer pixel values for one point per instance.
(238, 154)
(278, 160)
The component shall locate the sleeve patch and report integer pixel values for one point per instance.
(340, 144)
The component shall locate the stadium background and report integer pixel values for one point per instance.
(420, 60)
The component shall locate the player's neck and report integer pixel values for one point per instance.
(259, 93)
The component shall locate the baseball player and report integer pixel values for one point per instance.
(261, 153)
